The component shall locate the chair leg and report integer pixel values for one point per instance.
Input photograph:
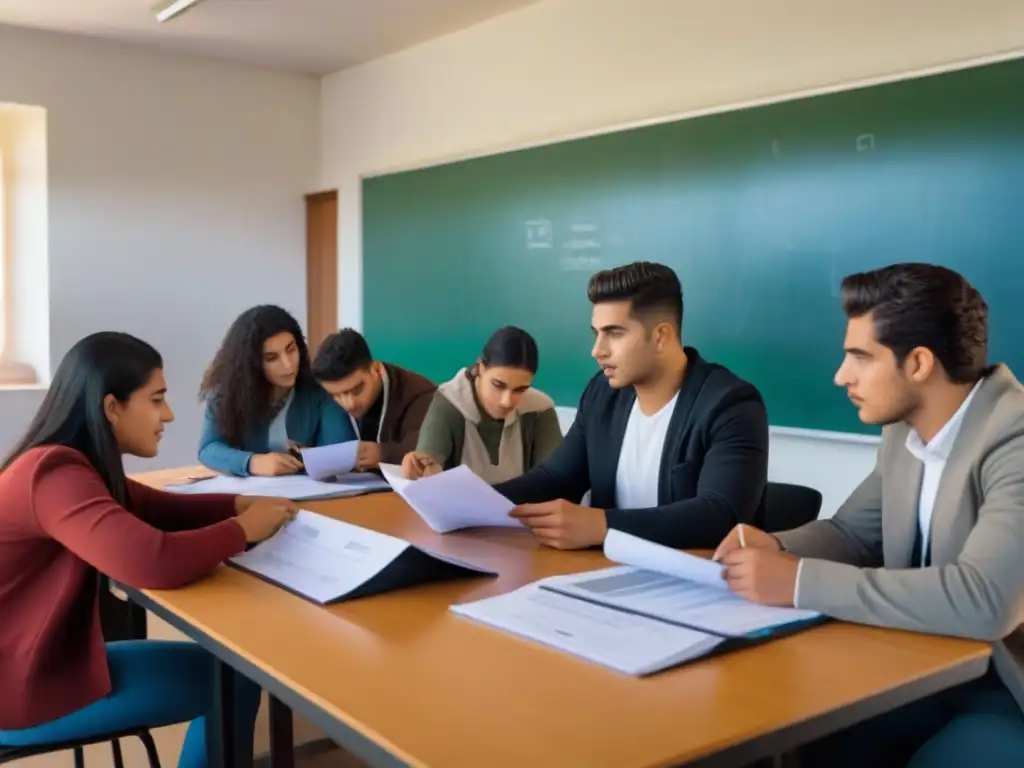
(115, 747)
(147, 741)
(79, 757)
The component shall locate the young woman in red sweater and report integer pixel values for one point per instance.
(68, 514)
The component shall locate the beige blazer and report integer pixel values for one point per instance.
(857, 564)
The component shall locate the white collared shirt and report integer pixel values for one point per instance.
(934, 456)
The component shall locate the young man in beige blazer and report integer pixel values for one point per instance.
(933, 539)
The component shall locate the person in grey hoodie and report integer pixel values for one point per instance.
(488, 416)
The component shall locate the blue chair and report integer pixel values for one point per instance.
(121, 620)
(10, 754)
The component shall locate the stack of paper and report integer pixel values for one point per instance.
(452, 500)
(624, 642)
(295, 487)
(672, 586)
(668, 606)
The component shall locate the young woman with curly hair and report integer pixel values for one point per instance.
(262, 399)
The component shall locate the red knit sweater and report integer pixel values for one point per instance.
(59, 526)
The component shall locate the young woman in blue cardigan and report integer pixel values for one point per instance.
(261, 399)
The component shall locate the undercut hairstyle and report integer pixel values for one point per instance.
(511, 347)
(340, 355)
(653, 291)
(924, 305)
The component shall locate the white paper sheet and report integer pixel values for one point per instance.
(624, 642)
(320, 557)
(295, 487)
(452, 500)
(627, 549)
(393, 474)
(326, 461)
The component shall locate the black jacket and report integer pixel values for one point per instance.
(714, 465)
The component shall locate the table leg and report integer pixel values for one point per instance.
(220, 742)
(282, 737)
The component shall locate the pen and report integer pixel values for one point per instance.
(743, 542)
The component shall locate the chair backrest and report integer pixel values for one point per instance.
(120, 619)
(790, 506)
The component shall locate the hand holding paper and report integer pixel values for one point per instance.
(452, 500)
(327, 461)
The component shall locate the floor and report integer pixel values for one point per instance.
(168, 742)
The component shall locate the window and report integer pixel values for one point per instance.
(24, 301)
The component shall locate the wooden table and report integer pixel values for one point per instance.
(398, 680)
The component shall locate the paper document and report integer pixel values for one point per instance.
(624, 642)
(320, 557)
(452, 500)
(627, 549)
(393, 474)
(294, 487)
(673, 586)
(325, 560)
(327, 461)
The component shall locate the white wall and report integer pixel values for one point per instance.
(175, 201)
(565, 67)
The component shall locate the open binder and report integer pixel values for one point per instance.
(327, 561)
(660, 608)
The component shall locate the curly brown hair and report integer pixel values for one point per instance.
(234, 384)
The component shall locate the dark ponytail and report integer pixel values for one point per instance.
(510, 347)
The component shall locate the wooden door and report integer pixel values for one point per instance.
(321, 267)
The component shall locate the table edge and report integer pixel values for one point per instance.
(375, 753)
(798, 734)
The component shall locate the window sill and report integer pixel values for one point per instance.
(37, 387)
(16, 376)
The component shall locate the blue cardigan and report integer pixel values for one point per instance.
(313, 419)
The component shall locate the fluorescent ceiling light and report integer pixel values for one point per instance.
(168, 9)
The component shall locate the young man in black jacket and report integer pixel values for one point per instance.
(673, 448)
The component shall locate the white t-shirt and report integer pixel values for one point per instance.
(636, 480)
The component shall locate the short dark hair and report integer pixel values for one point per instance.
(924, 305)
(340, 355)
(511, 347)
(651, 290)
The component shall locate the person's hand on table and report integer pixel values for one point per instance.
(563, 525)
(242, 503)
(263, 517)
(273, 464)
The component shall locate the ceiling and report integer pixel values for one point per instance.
(308, 36)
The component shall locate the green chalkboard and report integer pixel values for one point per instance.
(761, 211)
